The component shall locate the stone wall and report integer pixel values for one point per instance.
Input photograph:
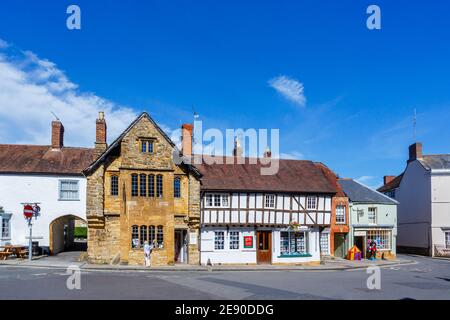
(111, 218)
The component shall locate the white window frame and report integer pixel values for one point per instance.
(447, 239)
(324, 235)
(343, 221)
(311, 203)
(217, 200)
(60, 190)
(385, 234)
(269, 201)
(372, 214)
(5, 217)
(292, 234)
(216, 240)
(238, 240)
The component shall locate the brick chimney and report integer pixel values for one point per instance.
(186, 139)
(100, 135)
(57, 135)
(415, 151)
(267, 153)
(388, 179)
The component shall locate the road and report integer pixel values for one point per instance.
(426, 279)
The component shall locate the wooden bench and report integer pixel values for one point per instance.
(21, 253)
(5, 253)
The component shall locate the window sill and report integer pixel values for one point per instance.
(68, 199)
(295, 255)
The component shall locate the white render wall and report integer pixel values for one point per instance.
(414, 210)
(227, 256)
(440, 197)
(16, 189)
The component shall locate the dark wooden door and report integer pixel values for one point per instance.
(264, 247)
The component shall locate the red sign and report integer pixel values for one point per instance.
(28, 211)
(248, 241)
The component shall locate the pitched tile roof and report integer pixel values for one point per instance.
(43, 159)
(358, 192)
(293, 176)
(332, 178)
(393, 184)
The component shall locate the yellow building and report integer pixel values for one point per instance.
(136, 192)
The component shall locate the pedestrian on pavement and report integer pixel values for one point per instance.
(147, 253)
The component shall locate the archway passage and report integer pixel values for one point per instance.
(68, 233)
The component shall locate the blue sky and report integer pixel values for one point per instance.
(360, 86)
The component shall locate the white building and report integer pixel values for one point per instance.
(51, 176)
(249, 218)
(423, 191)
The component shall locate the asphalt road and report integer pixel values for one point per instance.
(427, 279)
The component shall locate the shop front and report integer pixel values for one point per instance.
(259, 245)
(383, 237)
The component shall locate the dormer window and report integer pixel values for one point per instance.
(147, 145)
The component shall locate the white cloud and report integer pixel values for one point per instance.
(289, 88)
(31, 88)
(365, 179)
(294, 155)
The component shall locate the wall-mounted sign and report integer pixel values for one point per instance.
(192, 237)
(360, 233)
(248, 242)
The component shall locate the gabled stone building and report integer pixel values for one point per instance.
(137, 192)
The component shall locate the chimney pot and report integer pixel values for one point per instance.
(267, 153)
(57, 135)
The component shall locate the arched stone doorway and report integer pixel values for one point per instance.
(65, 234)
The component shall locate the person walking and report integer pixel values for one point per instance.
(147, 253)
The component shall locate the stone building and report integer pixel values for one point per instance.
(137, 191)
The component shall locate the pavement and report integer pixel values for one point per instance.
(424, 278)
(71, 259)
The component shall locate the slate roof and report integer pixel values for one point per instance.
(297, 176)
(436, 161)
(33, 159)
(360, 193)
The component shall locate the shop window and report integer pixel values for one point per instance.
(177, 187)
(114, 185)
(219, 240)
(293, 243)
(381, 237)
(234, 240)
(134, 185)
